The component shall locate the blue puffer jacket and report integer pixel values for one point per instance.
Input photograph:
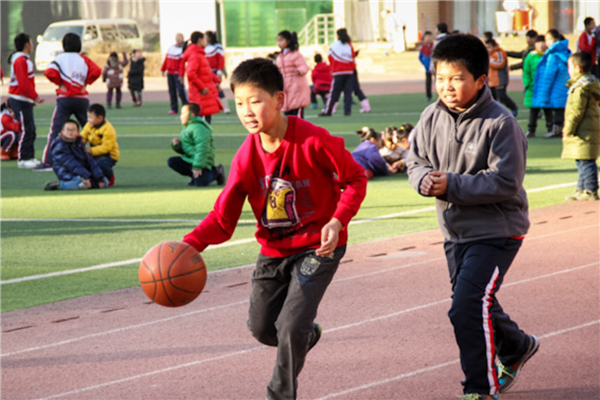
(368, 157)
(71, 160)
(551, 76)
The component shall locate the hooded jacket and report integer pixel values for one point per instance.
(200, 76)
(196, 144)
(71, 160)
(529, 67)
(551, 76)
(498, 75)
(581, 132)
(295, 87)
(483, 151)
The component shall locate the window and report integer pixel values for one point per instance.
(109, 33)
(128, 31)
(56, 33)
(91, 32)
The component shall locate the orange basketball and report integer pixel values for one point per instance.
(172, 274)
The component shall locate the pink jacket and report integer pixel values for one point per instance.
(296, 88)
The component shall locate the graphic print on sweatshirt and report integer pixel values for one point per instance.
(280, 208)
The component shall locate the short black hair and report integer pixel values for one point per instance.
(69, 121)
(97, 109)
(71, 43)
(194, 108)
(540, 38)
(465, 49)
(442, 27)
(587, 21)
(582, 59)
(532, 33)
(21, 40)
(487, 35)
(491, 42)
(427, 33)
(195, 36)
(260, 72)
(318, 58)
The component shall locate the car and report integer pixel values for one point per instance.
(124, 33)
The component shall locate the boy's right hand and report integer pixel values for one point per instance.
(87, 183)
(175, 141)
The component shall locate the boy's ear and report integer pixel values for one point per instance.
(280, 100)
(480, 82)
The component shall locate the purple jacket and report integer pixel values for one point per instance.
(367, 155)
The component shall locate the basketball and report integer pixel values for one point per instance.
(172, 274)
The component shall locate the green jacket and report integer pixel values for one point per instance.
(529, 67)
(196, 144)
(581, 132)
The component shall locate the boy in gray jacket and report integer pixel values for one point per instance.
(469, 152)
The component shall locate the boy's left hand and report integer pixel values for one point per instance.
(330, 235)
(434, 184)
(196, 172)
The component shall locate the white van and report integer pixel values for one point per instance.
(92, 33)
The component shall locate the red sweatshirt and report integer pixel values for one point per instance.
(293, 192)
(8, 123)
(342, 58)
(172, 60)
(22, 83)
(321, 77)
(587, 43)
(216, 57)
(71, 72)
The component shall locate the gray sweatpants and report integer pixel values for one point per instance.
(286, 292)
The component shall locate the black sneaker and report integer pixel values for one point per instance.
(316, 336)
(52, 186)
(323, 114)
(220, 174)
(508, 374)
(530, 135)
(42, 167)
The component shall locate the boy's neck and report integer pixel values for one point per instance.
(271, 139)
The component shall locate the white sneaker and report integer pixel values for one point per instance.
(28, 164)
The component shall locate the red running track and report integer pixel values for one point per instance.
(386, 332)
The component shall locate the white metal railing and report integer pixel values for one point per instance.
(319, 30)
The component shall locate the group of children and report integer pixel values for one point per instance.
(383, 153)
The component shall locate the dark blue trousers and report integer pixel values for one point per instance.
(24, 113)
(183, 167)
(481, 328)
(176, 88)
(341, 83)
(65, 107)
(106, 164)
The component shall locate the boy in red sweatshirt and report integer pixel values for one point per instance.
(291, 172)
(23, 97)
(71, 72)
(322, 78)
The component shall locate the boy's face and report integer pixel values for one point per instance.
(530, 40)
(94, 119)
(257, 109)
(427, 39)
(70, 131)
(404, 143)
(591, 26)
(456, 86)
(573, 69)
(540, 47)
(184, 116)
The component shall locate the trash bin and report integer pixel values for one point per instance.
(521, 21)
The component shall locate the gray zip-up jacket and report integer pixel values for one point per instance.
(483, 152)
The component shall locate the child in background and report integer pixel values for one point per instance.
(425, 59)
(396, 146)
(135, 78)
(216, 58)
(322, 78)
(367, 153)
(294, 68)
(529, 68)
(283, 166)
(102, 137)
(71, 72)
(581, 132)
(498, 76)
(195, 144)
(73, 165)
(112, 74)
(9, 133)
(470, 153)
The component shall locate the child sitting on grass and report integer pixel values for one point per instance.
(395, 146)
(195, 144)
(102, 137)
(367, 154)
(9, 133)
(73, 165)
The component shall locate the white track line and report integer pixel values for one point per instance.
(442, 365)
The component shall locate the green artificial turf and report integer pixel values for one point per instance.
(147, 190)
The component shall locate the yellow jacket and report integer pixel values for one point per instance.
(102, 139)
